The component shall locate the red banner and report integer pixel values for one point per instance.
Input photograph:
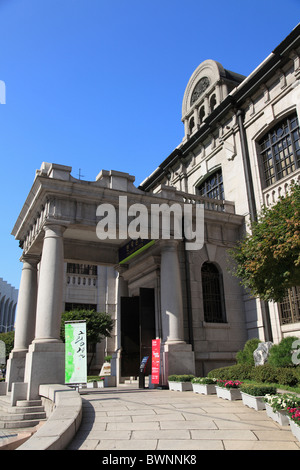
(155, 361)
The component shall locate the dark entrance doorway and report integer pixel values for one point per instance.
(137, 331)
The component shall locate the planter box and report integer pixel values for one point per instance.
(228, 393)
(180, 386)
(90, 385)
(95, 384)
(253, 402)
(280, 417)
(205, 389)
(295, 429)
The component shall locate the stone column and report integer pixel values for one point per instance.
(25, 320)
(45, 358)
(171, 293)
(122, 291)
(50, 293)
(178, 357)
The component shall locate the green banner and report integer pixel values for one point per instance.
(75, 352)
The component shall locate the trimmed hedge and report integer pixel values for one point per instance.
(266, 373)
(180, 378)
(235, 372)
(258, 390)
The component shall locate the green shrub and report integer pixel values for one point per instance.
(258, 390)
(296, 371)
(265, 373)
(204, 380)
(281, 354)
(235, 372)
(94, 378)
(180, 378)
(246, 355)
(286, 376)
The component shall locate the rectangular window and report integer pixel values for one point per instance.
(280, 150)
(289, 308)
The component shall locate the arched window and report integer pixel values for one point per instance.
(213, 294)
(191, 124)
(201, 114)
(213, 103)
(280, 150)
(212, 186)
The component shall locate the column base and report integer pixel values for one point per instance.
(178, 358)
(15, 367)
(45, 364)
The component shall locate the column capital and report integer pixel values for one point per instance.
(121, 268)
(31, 259)
(53, 227)
(169, 245)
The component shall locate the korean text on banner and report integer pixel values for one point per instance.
(75, 353)
(155, 361)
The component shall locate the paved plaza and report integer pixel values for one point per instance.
(129, 418)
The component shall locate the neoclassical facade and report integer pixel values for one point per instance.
(8, 304)
(240, 151)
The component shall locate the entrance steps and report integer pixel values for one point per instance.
(133, 380)
(26, 413)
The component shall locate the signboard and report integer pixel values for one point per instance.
(105, 369)
(132, 248)
(144, 363)
(75, 352)
(155, 361)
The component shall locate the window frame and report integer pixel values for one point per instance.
(217, 188)
(214, 300)
(276, 162)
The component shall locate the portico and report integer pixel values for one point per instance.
(57, 224)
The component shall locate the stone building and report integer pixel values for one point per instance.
(8, 304)
(240, 151)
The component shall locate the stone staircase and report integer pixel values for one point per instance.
(25, 414)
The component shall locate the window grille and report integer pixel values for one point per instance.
(289, 308)
(212, 186)
(87, 269)
(280, 150)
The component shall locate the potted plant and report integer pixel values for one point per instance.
(180, 383)
(253, 395)
(276, 406)
(229, 389)
(95, 382)
(294, 418)
(204, 385)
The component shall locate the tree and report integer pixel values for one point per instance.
(268, 259)
(8, 338)
(98, 325)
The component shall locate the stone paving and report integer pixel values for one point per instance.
(129, 418)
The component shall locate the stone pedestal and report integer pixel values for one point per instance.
(45, 364)
(178, 358)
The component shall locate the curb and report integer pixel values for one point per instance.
(63, 422)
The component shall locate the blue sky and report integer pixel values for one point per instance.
(97, 84)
